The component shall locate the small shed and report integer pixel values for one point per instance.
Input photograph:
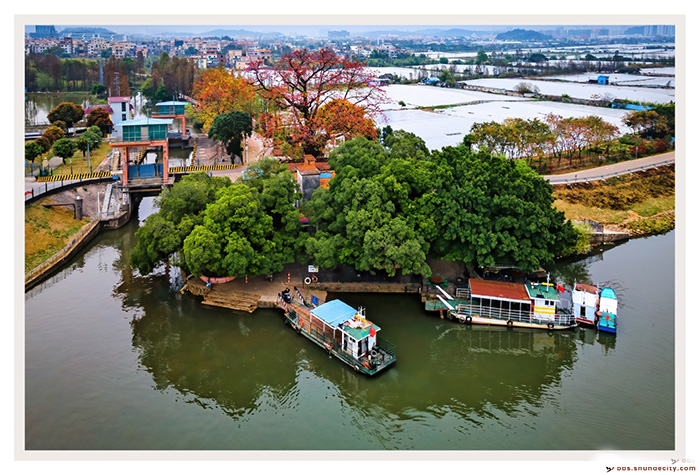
(144, 130)
(171, 108)
(603, 79)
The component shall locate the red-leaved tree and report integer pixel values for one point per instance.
(301, 83)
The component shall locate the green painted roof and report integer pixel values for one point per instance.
(359, 333)
(542, 291)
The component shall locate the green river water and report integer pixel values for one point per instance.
(115, 360)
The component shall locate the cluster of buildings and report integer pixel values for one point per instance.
(206, 52)
(85, 48)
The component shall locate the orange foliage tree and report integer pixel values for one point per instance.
(303, 82)
(217, 92)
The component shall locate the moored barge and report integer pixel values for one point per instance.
(341, 330)
(525, 305)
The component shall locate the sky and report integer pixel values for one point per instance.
(309, 30)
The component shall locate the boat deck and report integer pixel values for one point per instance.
(381, 356)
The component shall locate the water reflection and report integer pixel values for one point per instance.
(244, 363)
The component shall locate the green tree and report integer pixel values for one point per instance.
(230, 129)
(481, 57)
(32, 150)
(179, 209)
(492, 210)
(366, 219)
(67, 112)
(97, 89)
(64, 148)
(82, 144)
(235, 237)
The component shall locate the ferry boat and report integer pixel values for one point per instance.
(342, 331)
(510, 304)
(585, 303)
(607, 310)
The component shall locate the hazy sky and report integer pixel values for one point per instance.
(320, 30)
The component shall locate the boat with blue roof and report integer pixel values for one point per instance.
(341, 330)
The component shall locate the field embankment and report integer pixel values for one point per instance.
(641, 203)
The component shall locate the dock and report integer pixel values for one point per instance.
(247, 296)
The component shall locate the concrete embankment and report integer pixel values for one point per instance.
(44, 269)
(78, 242)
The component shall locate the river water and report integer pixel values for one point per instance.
(115, 360)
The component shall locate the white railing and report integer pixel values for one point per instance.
(517, 316)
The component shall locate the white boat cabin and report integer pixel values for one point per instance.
(335, 320)
(545, 300)
(585, 300)
(608, 301)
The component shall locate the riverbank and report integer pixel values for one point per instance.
(639, 204)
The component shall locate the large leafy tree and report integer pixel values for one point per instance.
(366, 217)
(217, 92)
(492, 210)
(235, 237)
(219, 229)
(163, 233)
(341, 117)
(279, 194)
(67, 112)
(300, 83)
(230, 129)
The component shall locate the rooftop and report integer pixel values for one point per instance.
(499, 290)
(146, 121)
(334, 313)
(172, 103)
(542, 291)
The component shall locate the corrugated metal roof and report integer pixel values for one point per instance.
(591, 289)
(172, 103)
(334, 313)
(499, 290)
(360, 333)
(146, 121)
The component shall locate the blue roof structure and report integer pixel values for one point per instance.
(146, 121)
(334, 313)
(172, 103)
(607, 292)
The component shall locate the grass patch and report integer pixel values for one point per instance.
(579, 212)
(47, 231)
(619, 200)
(79, 164)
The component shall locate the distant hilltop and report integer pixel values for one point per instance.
(522, 35)
(86, 31)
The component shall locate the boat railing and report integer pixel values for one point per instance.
(470, 310)
(386, 345)
(463, 293)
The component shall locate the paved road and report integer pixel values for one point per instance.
(612, 170)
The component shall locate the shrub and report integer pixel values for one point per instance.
(654, 225)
